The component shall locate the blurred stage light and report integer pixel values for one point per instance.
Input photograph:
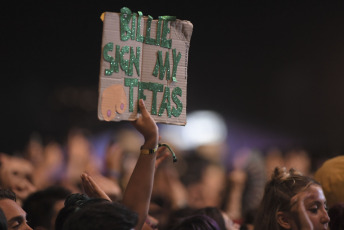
(203, 127)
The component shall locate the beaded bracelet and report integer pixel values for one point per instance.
(148, 151)
(151, 151)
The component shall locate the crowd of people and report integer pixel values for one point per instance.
(135, 184)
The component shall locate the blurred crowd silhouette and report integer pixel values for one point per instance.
(203, 180)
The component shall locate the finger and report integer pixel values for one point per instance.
(98, 191)
(161, 159)
(161, 150)
(86, 183)
(83, 176)
(162, 155)
(92, 182)
(143, 109)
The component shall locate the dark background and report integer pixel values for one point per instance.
(273, 70)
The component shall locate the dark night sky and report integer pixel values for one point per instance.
(276, 68)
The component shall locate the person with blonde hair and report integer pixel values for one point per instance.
(292, 201)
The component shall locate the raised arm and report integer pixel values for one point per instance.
(139, 189)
